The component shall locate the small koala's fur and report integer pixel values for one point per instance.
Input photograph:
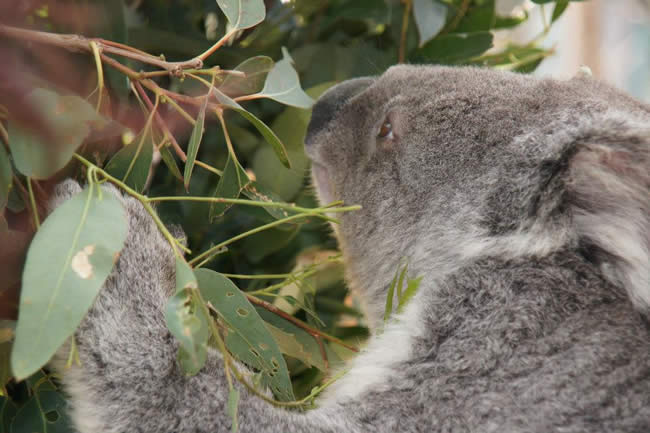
(522, 203)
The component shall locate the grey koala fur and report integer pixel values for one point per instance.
(522, 202)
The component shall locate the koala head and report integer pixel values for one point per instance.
(450, 164)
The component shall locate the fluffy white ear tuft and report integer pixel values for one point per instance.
(609, 191)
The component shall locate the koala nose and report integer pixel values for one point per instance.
(331, 101)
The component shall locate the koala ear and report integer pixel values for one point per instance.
(609, 194)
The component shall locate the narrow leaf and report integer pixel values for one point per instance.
(67, 263)
(231, 183)
(411, 289)
(195, 142)
(389, 298)
(558, 10)
(246, 337)
(283, 85)
(170, 162)
(455, 48)
(266, 132)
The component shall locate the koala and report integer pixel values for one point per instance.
(522, 203)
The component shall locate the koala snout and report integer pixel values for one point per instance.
(326, 108)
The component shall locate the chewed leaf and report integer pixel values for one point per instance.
(246, 337)
(45, 411)
(283, 85)
(87, 232)
(187, 321)
(243, 14)
(69, 119)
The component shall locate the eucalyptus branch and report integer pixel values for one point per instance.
(78, 43)
(405, 25)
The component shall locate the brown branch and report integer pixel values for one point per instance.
(299, 323)
(405, 27)
(462, 10)
(77, 43)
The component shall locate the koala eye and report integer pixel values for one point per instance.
(386, 130)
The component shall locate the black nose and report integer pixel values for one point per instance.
(331, 101)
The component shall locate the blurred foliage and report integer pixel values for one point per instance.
(293, 266)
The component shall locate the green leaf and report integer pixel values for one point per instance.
(246, 337)
(187, 321)
(170, 162)
(243, 14)
(411, 288)
(233, 403)
(131, 164)
(430, 17)
(255, 191)
(266, 132)
(388, 309)
(480, 17)
(6, 174)
(231, 183)
(256, 69)
(263, 244)
(195, 142)
(283, 85)
(45, 412)
(7, 413)
(455, 48)
(67, 263)
(558, 10)
(68, 119)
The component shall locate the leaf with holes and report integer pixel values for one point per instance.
(246, 336)
(430, 17)
(233, 180)
(283, 85)
(243, 14)
(255, 70)
(187, 321)
(45, 412)
(68, 120)
(131, 164)
(87, 232)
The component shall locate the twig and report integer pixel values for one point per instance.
(405, 27)
(299, 323)
(462, 10)
(77, 43)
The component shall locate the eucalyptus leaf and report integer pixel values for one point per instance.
(246, 336)
(455, 47)
(430, 17)
(256, 69)
(67, 262)
(170, 162)
(45, 412)
(195, 142)
(131, 164)
(233, 403)
(266, 132)
(242, 14)
(558, 10)
(283, 85)
(40, 154)
(187, 321)
(232, 181)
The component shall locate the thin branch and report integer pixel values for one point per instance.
(77, 43)
(299, 323)
(405, 26)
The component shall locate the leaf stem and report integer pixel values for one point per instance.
(32, 202)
